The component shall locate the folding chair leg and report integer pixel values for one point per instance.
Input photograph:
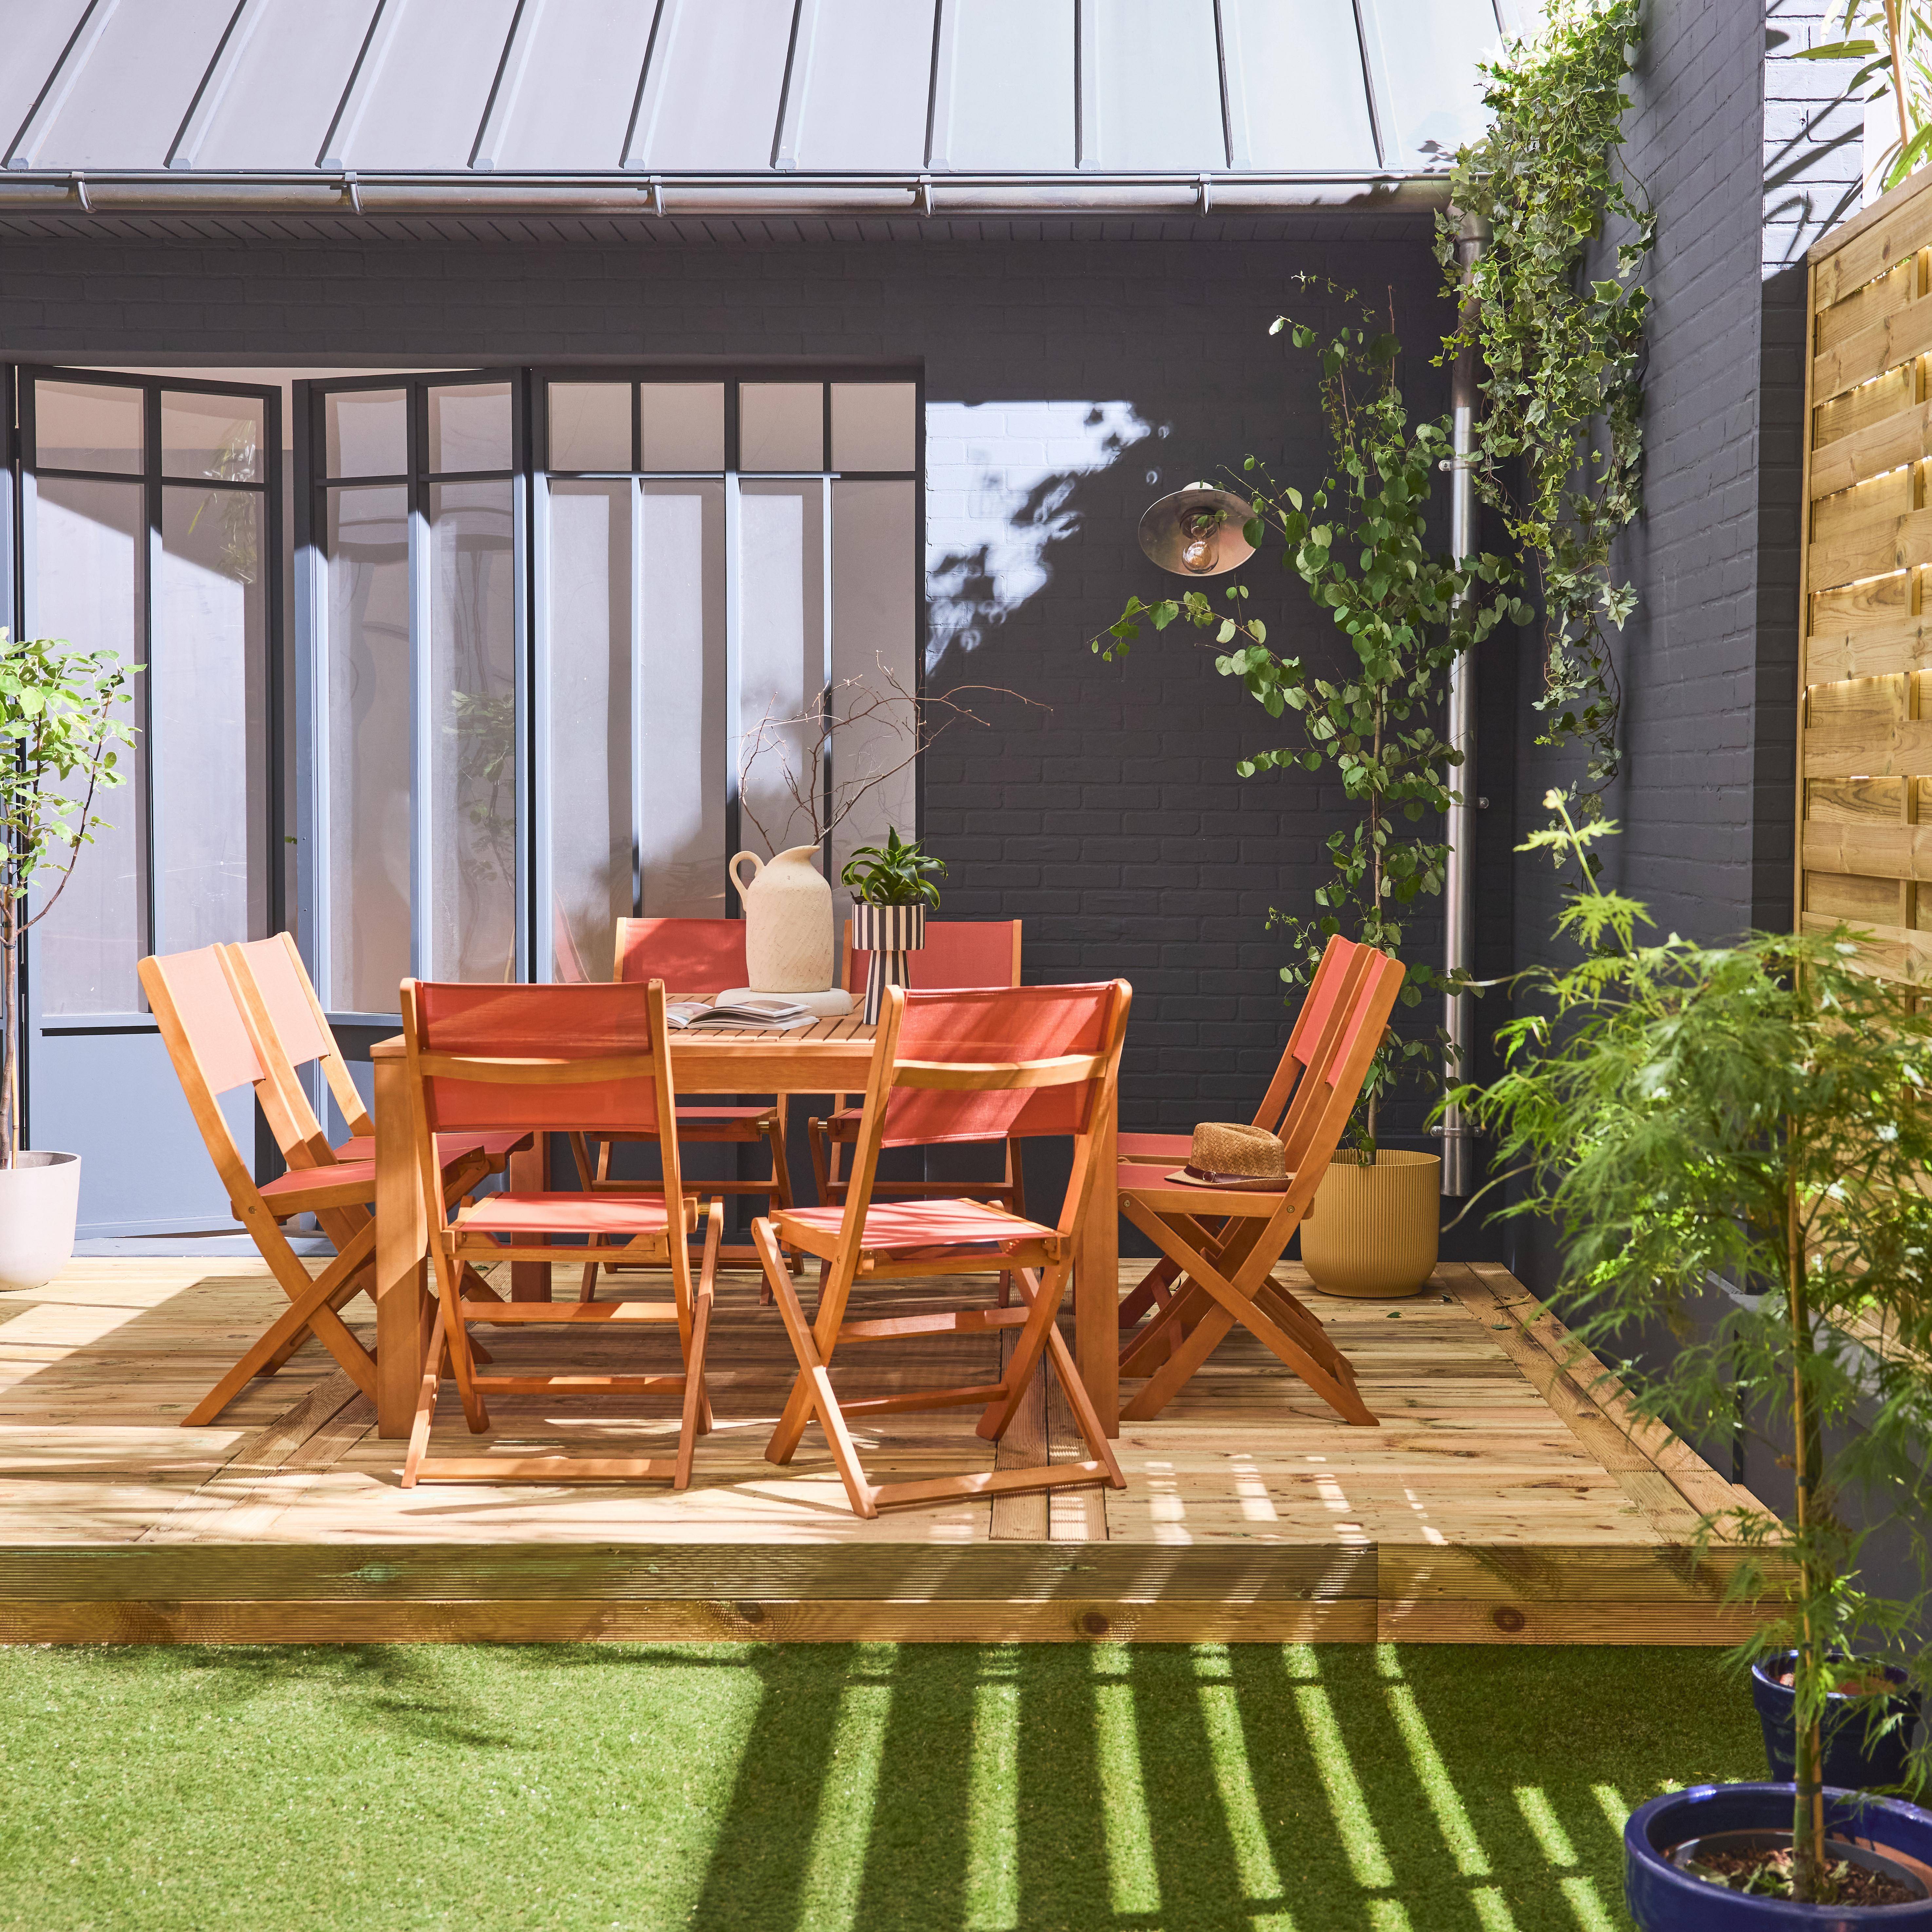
(694, 1420)
(1149, 1292)
(817, 1134)
(1024, 1363)
(426, 1395)
(1086, 1417)
(814, 1383)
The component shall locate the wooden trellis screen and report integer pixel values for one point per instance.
(1864, 728)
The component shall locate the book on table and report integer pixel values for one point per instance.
(777, 1013)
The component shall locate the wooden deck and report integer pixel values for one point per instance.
(1498, 1502)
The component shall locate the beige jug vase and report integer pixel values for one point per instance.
(787, 921)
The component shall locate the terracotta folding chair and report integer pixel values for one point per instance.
(202, 1028)
(1173, 1151)
(1224, 1242)
(692, 957)
(958, 1065)
(957, 952)
(562, 1059)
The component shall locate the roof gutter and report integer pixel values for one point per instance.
(169, 191)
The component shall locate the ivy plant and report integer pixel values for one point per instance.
(1753, 1113)
(1356, 538)
(1562, 353)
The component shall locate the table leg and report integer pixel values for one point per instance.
(402, 1310)
(529, 1173)
(1097, 1280)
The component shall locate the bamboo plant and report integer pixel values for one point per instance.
(59, 736)
(1758, 1115)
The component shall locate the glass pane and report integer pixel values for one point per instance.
(87, 426)
(872, 425)
(89, 538)
(683, 425)
(590, 721)
(781, 426)
(367, 658)
(590, 425)
(875, 663)
(781, 661)
(211, 436)
(365, 433)
(472, 732)
(681, 715)
(469, 427)
(206, 696)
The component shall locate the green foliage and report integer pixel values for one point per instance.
(1357, 542)
(60, 736)
(1562, 355)
(895, 874)
(1891, 40)
(1756, 1115)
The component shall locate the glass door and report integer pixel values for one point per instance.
(149, 526)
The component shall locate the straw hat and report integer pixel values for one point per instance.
(1227, 1154)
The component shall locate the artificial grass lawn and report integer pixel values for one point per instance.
(891, 1787)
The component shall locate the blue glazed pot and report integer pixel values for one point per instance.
(1851, 1762)
(1662, 1899)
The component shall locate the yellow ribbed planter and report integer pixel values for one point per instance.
(1374, 1229)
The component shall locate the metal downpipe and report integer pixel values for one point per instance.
(1458, 873)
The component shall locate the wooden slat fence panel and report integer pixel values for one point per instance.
(1864, 733)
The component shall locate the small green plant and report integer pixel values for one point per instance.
(1562, 354)
(1356, 540)
(58, 733)
(1758, 1116)
(895, 874)
(1892, 40)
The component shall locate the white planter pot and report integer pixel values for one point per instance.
(39, 1200)
(787, 921)
(1374, 1229)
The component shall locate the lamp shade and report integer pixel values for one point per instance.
(1197, 531)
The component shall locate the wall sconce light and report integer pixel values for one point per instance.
(1197, 531)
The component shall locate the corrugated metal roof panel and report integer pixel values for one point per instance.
(568, 89)
(861, 77)
(280, 82)
(711, 97)
(1429, 95)
(1004, 88)
(1295, 91)
(1150, 85)
(418, 99)
(29, 49)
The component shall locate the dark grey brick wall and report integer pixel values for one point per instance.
(1114, 823)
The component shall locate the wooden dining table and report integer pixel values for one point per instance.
(828, 1057)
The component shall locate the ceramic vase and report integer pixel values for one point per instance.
(888, 933)
(787, 921)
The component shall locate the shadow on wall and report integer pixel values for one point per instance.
(1001, 479)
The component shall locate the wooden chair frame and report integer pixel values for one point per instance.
(344, 1191)
(455, 1248)
(698, 1126)
(1154, 1289)
(1040, 1261)
(1224, 1242)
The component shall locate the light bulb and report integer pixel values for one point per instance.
(1202, 550)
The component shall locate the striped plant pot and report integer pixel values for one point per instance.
(888, 933)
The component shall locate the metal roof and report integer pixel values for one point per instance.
(695, 108)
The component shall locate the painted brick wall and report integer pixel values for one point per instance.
(1069, 384)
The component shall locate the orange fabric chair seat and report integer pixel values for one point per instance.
(627, 1215)
(1175, 1149)
(898, 1227)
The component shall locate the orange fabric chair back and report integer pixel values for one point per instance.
(690, 956)
(1323, 991)
(957, 952)
(277, 971)
(201, 1007)
(977, 1027)
(447, 1022)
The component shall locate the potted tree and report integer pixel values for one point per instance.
(895, 885)
(1357, 540)
(1758, 1115)
(59, 734)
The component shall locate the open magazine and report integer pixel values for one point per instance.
(776, 1012)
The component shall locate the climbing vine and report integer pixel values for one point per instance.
(1562, 353)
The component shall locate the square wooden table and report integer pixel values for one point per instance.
(829, 1056)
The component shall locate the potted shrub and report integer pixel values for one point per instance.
(1404, 614)
(58, 739)
(1758, 1115)
(894, 884)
